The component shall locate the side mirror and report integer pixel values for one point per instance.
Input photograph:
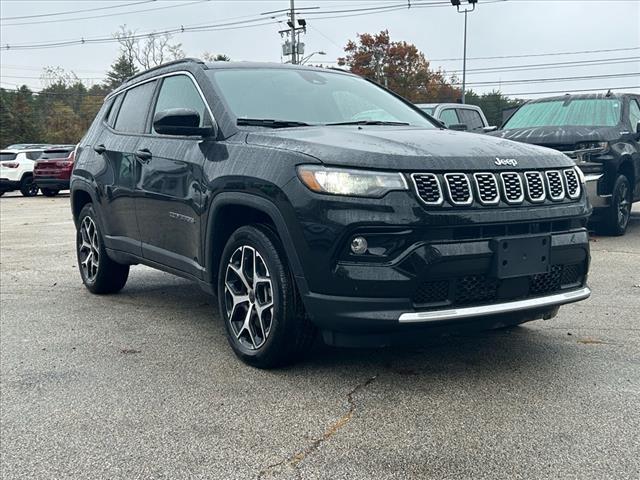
(489, 129)
(461, 127)
(180, 121)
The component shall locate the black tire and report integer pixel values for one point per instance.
(107, 276)
(48, 192)
(616, 218)
(286, 332)
(27, 187)
(2, 192)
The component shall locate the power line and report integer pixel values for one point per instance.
(537, 54)
(544, 66)
(104, 15)
(69, 12)
(557, 79)
(506, 94)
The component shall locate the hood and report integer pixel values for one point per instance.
(560, 136)
(406, 148)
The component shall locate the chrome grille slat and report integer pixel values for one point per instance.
(573, 183)
(458, 188)
(555, 185)
(512, 187)
(428, 188)
(535, 187)
(487, 188)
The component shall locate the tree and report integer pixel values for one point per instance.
(149, 50)
(220, 57)
(492, 104)
(63, 125)
(6, 118)
(25, 125)
(400, 66)
(123, 68)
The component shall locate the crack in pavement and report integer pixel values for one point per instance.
(295, 459)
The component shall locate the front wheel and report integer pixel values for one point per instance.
(262, 311)
(618, 214)
(49, 192)
(27, 187)
(99, 273)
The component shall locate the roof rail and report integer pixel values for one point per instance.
(174, 62)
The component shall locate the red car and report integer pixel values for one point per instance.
(53, 169)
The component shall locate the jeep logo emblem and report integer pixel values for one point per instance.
(503, 162)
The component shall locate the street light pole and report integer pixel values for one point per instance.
(456, 3)
(292, 15)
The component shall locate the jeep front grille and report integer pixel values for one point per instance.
(573, 184)
(555, 184)
(506, 188)
(487, 188)
(459, 188)
(428, 188)
(512, 184)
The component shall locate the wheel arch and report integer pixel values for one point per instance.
(627, 169)
(231, 210)
(79, 198)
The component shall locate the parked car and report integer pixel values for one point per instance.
(255, 181)
(16, 170)
(601, 132)
(457, 116)
(53, 169)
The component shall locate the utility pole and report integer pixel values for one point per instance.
(456, 3)
(294, 50)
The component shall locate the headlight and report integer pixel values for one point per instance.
(357, 183)
(592, 147)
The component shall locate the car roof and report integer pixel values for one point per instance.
(452, 105)
(179, 65)
(582, 96)
(21, 150)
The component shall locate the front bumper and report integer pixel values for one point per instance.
(597, 200)
(447, 284)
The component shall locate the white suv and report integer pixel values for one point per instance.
(16, 170)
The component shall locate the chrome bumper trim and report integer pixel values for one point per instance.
(483, 310)
(591, 186)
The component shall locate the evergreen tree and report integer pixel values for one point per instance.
(25, 125)
(121, 69)
(6, 118)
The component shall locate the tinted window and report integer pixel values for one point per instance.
(634, 114)
(310, 96)
(132, 116)
(449, 117)
(33, 155)
(113, 111)
(471, 118)
(6, 156)
(588, 112)
(180, 92)
(51, 154)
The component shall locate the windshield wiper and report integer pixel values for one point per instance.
(270, 123)
(368, 122)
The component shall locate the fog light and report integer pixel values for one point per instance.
(359, 245)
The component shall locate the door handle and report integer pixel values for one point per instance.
(143, 154)
(99, 149)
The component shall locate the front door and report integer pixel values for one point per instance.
(169, 196)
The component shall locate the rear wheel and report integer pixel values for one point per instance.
(27, 187)
(617, 216)
(99, 273)
(262, 311)
(49, 192)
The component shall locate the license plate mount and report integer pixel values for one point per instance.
(521, 256)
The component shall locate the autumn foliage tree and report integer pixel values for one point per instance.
(400, 66)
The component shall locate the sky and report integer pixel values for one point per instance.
(525, 30)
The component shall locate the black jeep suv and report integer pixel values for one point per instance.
(310, 199)
(601, 132)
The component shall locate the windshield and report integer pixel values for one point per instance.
(428, 110)
(587, 112)
(310, 97)
(52, 154)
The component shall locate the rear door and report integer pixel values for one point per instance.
(169, 201)
(118, 145)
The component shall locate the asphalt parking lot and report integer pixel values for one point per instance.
(143, 384)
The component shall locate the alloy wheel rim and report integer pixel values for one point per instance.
(248, 295)
(89, 250)
(33, 188)
(624, 207)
